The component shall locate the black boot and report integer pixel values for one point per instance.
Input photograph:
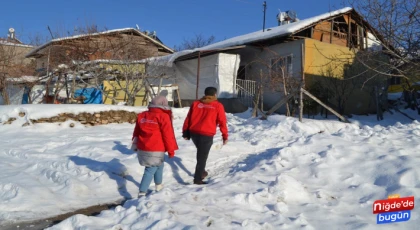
(205, 174)
(200, 182)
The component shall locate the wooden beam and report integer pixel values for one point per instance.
(346, 18)
(160, 86)
(264, 116)
(325, 106)
(303, 82)
(281, 102)
(331, 32)
(349, 33)
(255, 102)
(179, 98)
(366, 38)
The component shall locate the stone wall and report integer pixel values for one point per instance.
(88, 119)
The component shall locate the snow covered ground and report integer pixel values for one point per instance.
(275, 174)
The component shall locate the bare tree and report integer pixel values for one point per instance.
(102, 58)
(123, 76)
(398, 22)
(38, 39)
(276, 74)
(12, 64)
(199, 40)
(7, 55)
(336, 90)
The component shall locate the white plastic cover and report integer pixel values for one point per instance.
(217, 70)
(15, 94)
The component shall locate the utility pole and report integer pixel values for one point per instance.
(265, 8)
(48, 27)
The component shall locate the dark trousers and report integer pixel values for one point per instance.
(203, 145)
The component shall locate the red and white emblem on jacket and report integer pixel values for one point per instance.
(203, 106)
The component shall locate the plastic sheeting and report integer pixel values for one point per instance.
(218, 70)
(15, 94)
(92, 95)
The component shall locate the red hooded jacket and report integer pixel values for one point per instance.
(204, 116)
(155, 131)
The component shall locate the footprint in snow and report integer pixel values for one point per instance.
(8, 191)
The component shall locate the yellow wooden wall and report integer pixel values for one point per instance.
(125, 68)
(113, 88)
(319, 56)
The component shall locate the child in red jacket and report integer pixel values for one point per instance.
(200, 125)
(152, 137)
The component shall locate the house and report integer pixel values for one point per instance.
(285, 57)
(12, 55)
(118, 44)
(111, 50)
(13, 65)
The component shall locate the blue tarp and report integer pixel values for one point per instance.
(25, 98)
(92, 95)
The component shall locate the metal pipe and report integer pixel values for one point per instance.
(265, 7)
(67, 89)
(198, 76)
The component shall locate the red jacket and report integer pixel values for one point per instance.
(204, 116)
(155, 131)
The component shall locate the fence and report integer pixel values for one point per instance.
(246, 91)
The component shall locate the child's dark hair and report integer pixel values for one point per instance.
(210, 91)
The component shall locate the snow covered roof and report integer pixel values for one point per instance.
(278, 31)
(124, 30)
(23, 79)
(111, 61)
(3, 42)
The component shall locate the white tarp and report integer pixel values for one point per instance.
(37, 94)
(373, 42)
(217, 70)
(165, 90)
(15, 94)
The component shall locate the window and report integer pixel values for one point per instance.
(282, 65)
(395, 81)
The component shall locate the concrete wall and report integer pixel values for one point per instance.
(258, 60)
(16, 53)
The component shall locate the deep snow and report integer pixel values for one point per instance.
(275, 174)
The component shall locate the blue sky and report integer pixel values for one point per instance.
(173, 20)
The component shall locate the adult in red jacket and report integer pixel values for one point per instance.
(153, 136)
(200, 126)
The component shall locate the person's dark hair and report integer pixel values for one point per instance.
(210, 91)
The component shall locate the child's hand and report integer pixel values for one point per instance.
(134, 144)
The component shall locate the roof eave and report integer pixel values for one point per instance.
(34, 51)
